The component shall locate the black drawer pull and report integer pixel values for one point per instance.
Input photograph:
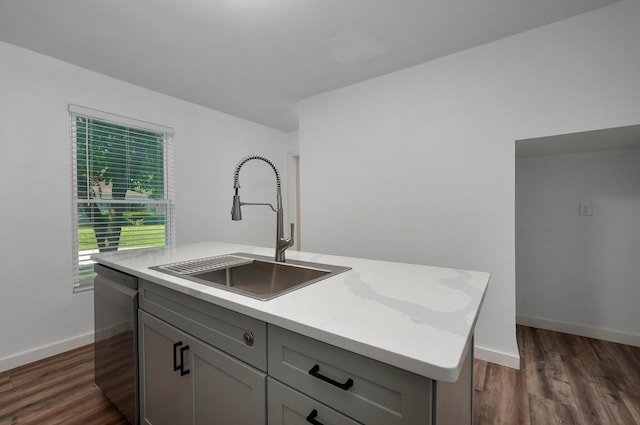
(311, 418)
(176, 366)
(180, 366)
(182, 370)
(315, 371)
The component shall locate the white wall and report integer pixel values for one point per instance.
(39, 315)
(419, 165)
(579, 273)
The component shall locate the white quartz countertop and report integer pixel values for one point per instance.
(418, 318)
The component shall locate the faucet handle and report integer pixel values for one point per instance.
(291, 239)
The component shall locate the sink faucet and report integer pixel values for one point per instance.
(236, 214)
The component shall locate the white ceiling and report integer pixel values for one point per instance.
(256, 59)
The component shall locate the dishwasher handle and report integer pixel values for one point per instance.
(115, 286)
(116, 277)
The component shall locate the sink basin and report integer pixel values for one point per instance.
(253, 275)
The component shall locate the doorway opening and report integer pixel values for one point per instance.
(294, 198)
(577, 233)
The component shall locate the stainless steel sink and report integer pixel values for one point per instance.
(253, 275)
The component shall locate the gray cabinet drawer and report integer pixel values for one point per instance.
(287, 406)
(379, 394)
(217, 326)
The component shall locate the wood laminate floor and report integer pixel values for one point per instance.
(564, 379)
(58, 390)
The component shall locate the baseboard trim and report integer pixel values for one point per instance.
(43, 352)
(581, 330)
(497, 357)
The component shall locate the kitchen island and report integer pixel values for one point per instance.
(403, 324)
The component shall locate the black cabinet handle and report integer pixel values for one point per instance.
(182, 370)
(315, 371)
(176, 366)
(311, 418)
(179, 366)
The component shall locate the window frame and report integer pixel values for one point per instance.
(168, 200)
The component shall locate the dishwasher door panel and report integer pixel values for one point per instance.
(116, 305)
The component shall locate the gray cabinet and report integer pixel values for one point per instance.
(203, 364)
(186, 381)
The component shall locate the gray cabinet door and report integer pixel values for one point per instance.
(166, 396)
(226, 390)
(211, 387)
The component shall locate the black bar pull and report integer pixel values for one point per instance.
(176, 366)
(182, 370)
(315, 371)
(311, 418)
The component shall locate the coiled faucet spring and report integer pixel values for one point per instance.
(248, 158)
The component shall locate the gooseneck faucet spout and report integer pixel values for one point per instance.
(282, 243)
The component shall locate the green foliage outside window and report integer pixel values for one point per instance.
(118, 163)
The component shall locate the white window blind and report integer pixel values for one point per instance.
(122, 186)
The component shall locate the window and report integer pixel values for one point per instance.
(122, 187)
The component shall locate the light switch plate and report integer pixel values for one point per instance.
(585, 208)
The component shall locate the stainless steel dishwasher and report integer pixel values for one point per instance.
(116, 341)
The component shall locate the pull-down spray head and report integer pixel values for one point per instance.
(236, 212)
